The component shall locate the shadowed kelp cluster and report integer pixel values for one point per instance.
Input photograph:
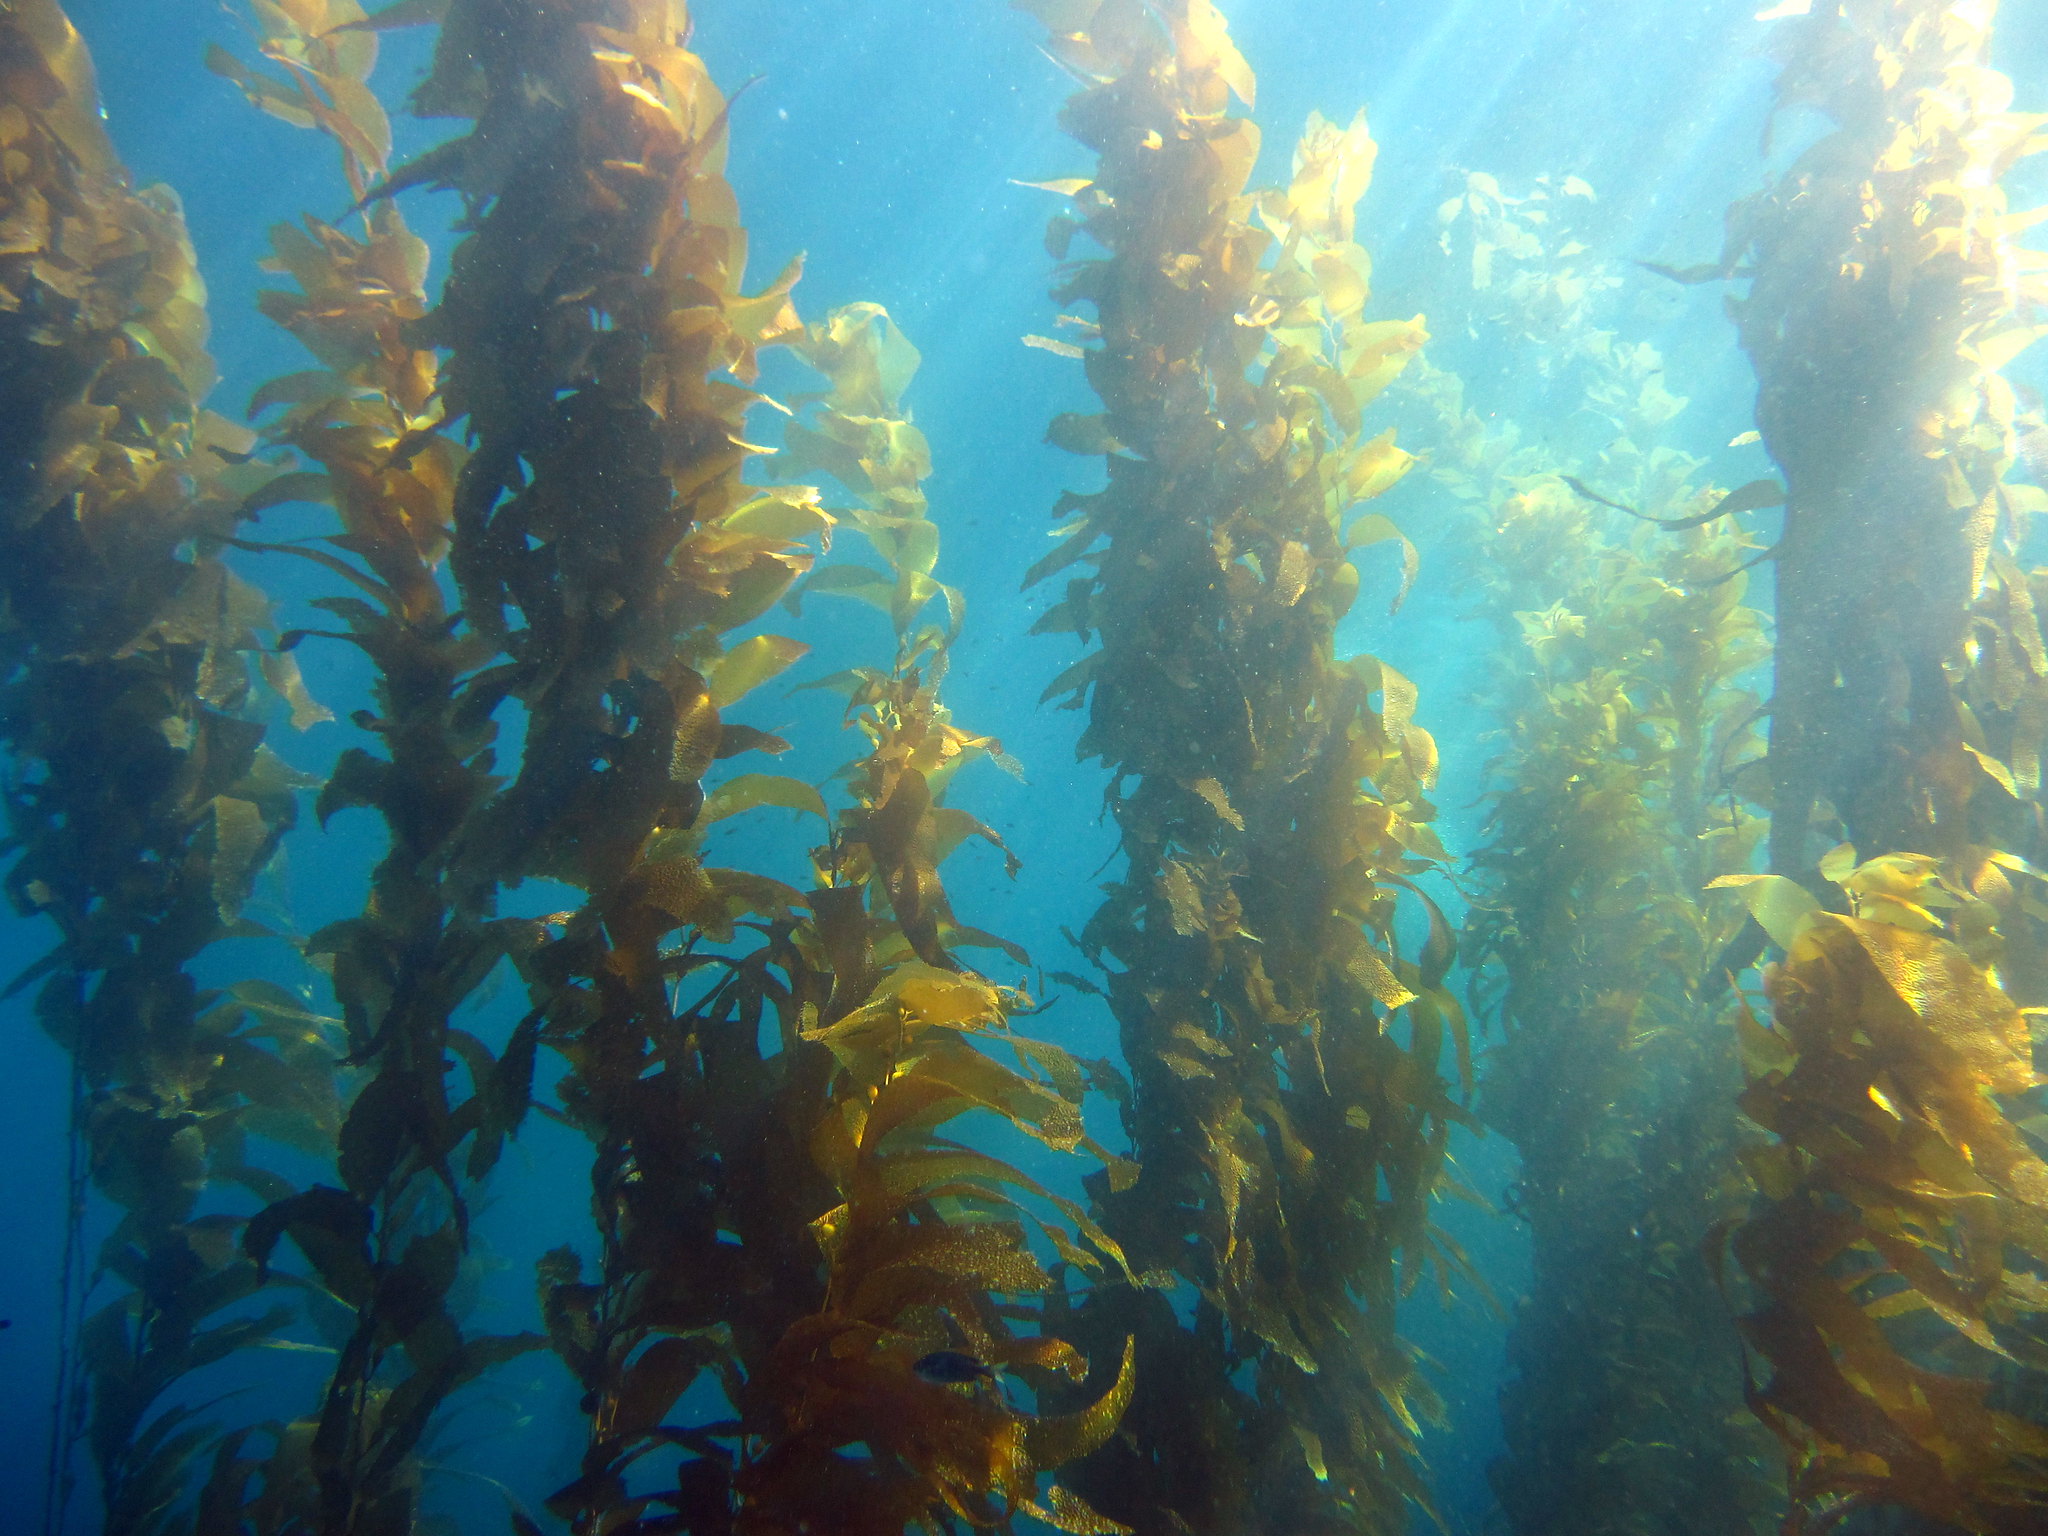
(860, 1255)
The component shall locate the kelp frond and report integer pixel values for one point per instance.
(143, 803)
(1270, 814)
(1624, 648)
(1892, 1249)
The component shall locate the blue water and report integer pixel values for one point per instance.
(884, 140)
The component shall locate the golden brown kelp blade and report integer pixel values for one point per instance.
(1269, 813)
(1898, 1252)
(144, 804)
(927, 1248)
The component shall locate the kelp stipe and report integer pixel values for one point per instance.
(384, 1244)
(1269, 815)
(1895, 1253)
(142, 803)
(1625, 727)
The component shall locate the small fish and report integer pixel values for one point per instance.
(951, 1368)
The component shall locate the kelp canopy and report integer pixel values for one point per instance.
(644, 857)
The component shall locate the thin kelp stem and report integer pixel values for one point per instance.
(67, 1395)
(1290, 1137)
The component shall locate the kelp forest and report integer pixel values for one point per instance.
(1521, 828)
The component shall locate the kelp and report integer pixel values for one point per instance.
(788, 1223)
(1623, 645)
(384, 1244)
(925, 1045)
(142, 802)
(1290, 1136)
(1891, 1253)
(1899, 1247)
(776, 1215)
(1884, 292)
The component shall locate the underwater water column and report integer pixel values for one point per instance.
(1618, 681)
(1896, 1253)
(1288, 1110)
(142, 802)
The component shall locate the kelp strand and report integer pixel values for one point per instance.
(1893, 1256)
(143, 804)
(1622, 649)
(1269, 816)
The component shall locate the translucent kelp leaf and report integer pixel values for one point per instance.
(678, 886)
(1204, 43)
(1183, 898)
(697, 734)
(240, 838)
(749, 664)
(992, 1255)
(1838, 862)
(1366, 967)
(1378, 466)
(1055, 346)
(1375, 528)
(857, 581)
(1074, 548)
(1057, 1440)
(748, 791)
(1291, 573)
(1783, 908)
(784, 512)
(1069, 1512)
(1212, 791)
(281, 671)
(1946, 989)
(405, 13)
